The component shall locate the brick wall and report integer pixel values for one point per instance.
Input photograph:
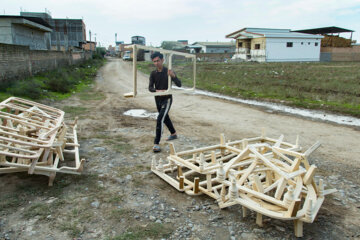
(17, 61)
(333, 54)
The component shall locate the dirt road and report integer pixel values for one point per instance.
(119, 198)
(205, 117)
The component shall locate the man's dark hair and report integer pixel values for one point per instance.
(156, 54)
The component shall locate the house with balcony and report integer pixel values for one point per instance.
(275, 45)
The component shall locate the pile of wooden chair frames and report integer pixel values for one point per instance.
(34, 138)
(269, 176)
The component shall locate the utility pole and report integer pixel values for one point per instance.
(90, 40)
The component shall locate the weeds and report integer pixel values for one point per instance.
(75, 110)
(57, 83)
(39, 209)
(118, 144)
(70, 227)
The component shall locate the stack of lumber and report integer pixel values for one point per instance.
(335, 41)
(269, 176)
(34, 138)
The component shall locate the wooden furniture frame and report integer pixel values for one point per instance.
(254, 173)
(168, 54)
(33, 138)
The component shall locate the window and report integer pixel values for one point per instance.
(302, 43)
(308, 43)
(240, 44)
(316, 44)
(289, 44)
(257, 46)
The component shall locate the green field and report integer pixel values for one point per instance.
(332, 86)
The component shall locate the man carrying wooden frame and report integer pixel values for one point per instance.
(158, 82)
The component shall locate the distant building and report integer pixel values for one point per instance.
(212, 47)
(118, 45)
(174, 45)
(184, 42)
(275, 45)
(27, 31)
(67, 33)
(138, 40)
(111, 50)
(89, 46)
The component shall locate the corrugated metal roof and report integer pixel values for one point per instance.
(324, 30)
(246, 33)
(218, 44)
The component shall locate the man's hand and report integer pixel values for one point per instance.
(171, 73)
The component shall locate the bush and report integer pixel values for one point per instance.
(61, 80)
(29, 88)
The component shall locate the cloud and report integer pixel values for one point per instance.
(195, 20)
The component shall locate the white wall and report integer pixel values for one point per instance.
(277, 51)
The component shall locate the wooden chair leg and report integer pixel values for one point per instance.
(298, 228)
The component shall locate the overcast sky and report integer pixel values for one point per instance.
(195, 20)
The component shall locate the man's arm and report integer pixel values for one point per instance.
(174, 78)
(152, 83)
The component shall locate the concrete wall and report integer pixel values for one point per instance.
(14, 31)
(213, 49)
(5, 31)
(302, 50)
(214, 57)
(25, 36)
(17, 62)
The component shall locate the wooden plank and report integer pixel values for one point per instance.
(309, 175)
(258, 183)
(280, 188)
(247, 173)
(268, 163)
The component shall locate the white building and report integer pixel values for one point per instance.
(212, 47)
(275, 45)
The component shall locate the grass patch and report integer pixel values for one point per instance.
(118, 214)
(330, 86)
(9, 202)
(87, 95)
(74, 111)
(151, 230)
(70, 227)
(56, 84)
(38, 209)
(124, 171)
(118, 144)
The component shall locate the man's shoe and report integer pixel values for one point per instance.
(172, 137)
(156, 149)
